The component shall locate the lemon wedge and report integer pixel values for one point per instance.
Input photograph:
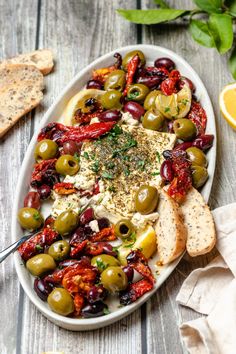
(78, 102)
(227, 104)
(176, 105)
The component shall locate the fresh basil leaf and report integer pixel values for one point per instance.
(162, 4)
(231, 4)
(149, 17)
(232, 63)
(221, 28)
(212, 6)
(200, 33)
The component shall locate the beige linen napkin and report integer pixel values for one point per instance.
(212, 291)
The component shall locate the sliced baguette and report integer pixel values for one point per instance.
(170, 229)
(16, 74)
(16, 101)
(41, 59)
(199, 223)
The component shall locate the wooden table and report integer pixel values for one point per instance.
(79, 31)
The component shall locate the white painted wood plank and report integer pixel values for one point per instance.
(17, 35)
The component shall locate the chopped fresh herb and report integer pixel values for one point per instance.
(178, 109)
(92, 156)
(69, 205)
(130, 143)
(115, 248)
(36, 216)
(86, 155)
(141, 165)
(76, 156)
(184, 101)
(140, 249)
(95, 166)
(110, 165)
(126, 171)
(167, 109)
(158, 156)
(133, 95)
(132, 239)
(38, 247)
(106, 311)
(155, 173)
(111, 189)
(107, 175)
(101, 265)
(116, 130)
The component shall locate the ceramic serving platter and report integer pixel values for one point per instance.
(56, 112)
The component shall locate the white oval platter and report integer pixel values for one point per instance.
(54, 113)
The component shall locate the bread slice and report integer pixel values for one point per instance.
(16, 101)
(200, 224)
(15, 74)
(41, 59)
(170, 229)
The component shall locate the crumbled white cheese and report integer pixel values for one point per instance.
(81, 181)
(140, 221)
(100, 211)
(94, 120)
(65, 202)
(94, 225)
(127, 118)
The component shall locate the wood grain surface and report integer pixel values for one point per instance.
(78, 31)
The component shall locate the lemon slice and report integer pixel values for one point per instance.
(78, 102)
(227, 104)
(176, 105)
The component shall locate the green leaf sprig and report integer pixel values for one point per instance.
(216, 31)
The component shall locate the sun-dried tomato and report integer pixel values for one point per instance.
(37, 243)
(106, 234)
(140, 263)
(40, 172)
(76, 251)
(79, 279)
(52, 131)
(131, 70)
(182, 181)
(135, 291)
(64, 188)
(79, 303)
(198, 116)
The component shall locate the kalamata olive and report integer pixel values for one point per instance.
(49, 221)
(86, 216)
(97, 293)
(44, 191)
(71, 147)
(166, 171)
(167, 154)
(50, 177)
(170, 127)
(164, 62)
(94, 84)
(129, 272)
(42, 288)
(32, 200)
(184, 80)
(108, 249)
(103, 223)
(111, 115)
(68, 263)
(149, 81)
(94, 310)
(78, 236)
(204, 142)
(135, 109)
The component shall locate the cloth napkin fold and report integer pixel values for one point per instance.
(212, 291)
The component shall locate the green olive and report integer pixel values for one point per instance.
(115, 81)
(61, 302)
(59, 250)
(137, 92)
(103, 261)
(114, 279)
(45, 149)
(66, 222)
(196, 156)
(111, 99)
(146, 199)
(150, 99)
(199, 175)
(67, 165)
(40, 264)
(30, 218)
(153, 120)
(184, 129)
(130, 55)
(124, 228)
